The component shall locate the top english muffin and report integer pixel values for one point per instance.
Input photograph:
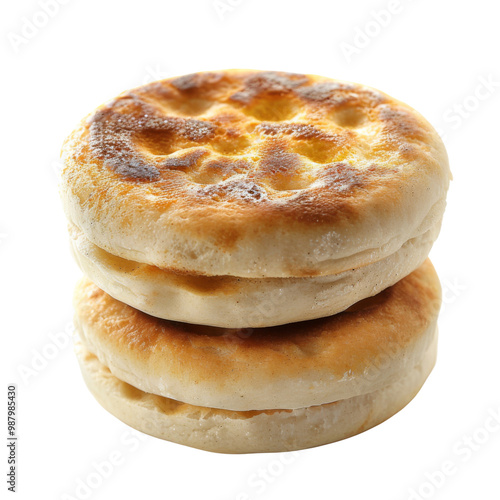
(254, 174)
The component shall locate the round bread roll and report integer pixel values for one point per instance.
(254, 174)
(227, 431)
(362, 350)
(232, 302)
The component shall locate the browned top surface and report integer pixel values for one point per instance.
(250, 144)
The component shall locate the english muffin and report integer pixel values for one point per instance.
(250, 175)
(291, 366)
(227, 431)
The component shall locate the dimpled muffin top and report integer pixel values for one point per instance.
(220, 157)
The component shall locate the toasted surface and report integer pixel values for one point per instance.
(228, 431)
(289, 366)
(237, 302)
(250, 173)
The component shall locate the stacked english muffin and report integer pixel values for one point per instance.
(255, 245)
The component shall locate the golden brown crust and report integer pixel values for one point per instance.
(134, 135)
(400, 319)
(221, 158)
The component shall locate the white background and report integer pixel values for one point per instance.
(434, 55)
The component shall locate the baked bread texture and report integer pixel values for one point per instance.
(235, 302)
(227, 431)
(319, 188)
(256, 174)
(255, 250)
(359, 351)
